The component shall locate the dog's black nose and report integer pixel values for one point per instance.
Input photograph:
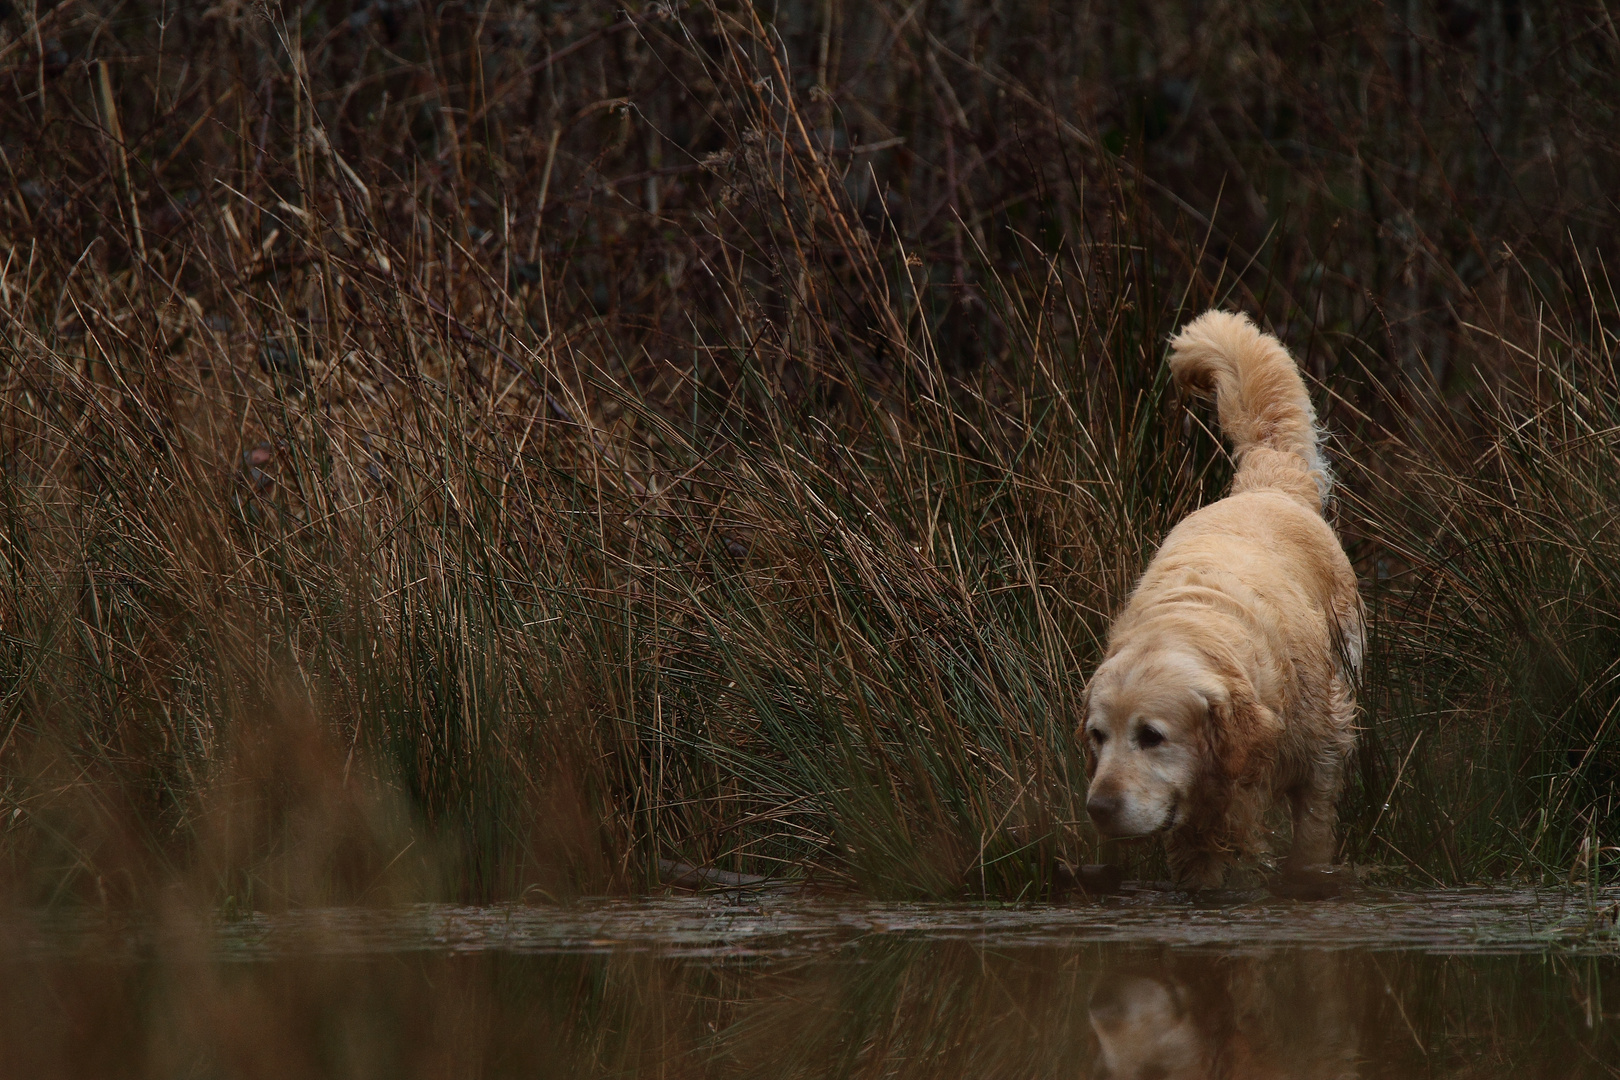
(1102, 809)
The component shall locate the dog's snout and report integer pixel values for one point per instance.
(1103, 809)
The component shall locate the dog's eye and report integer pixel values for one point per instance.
(1149, 737)
(1098, 736)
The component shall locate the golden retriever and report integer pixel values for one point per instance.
(1228, 679)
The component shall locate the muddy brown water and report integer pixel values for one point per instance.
(1146, 984)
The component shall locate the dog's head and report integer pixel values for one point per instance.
(1166, 731)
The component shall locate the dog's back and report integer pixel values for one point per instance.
(1267, 538)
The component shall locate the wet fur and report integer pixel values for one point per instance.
(1244, 633)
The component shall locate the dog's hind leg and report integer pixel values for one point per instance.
(1315, 802)
(1314, 819)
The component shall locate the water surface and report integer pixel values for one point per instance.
(1463, 983)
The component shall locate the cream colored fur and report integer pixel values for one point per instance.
(1227, 682)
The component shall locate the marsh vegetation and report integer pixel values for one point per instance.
(481, 452)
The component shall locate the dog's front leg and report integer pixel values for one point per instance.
(1195, 865)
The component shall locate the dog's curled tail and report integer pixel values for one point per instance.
(1261, 401)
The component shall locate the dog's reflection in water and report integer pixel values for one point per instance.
(1207, 1018)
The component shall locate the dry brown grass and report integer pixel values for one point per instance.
(483, 455)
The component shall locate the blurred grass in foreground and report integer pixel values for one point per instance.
(481, 456)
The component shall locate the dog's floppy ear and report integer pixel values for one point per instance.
(1086, 751)
(1242, 735)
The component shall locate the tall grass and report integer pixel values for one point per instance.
(1497, 663)
(484, 455)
